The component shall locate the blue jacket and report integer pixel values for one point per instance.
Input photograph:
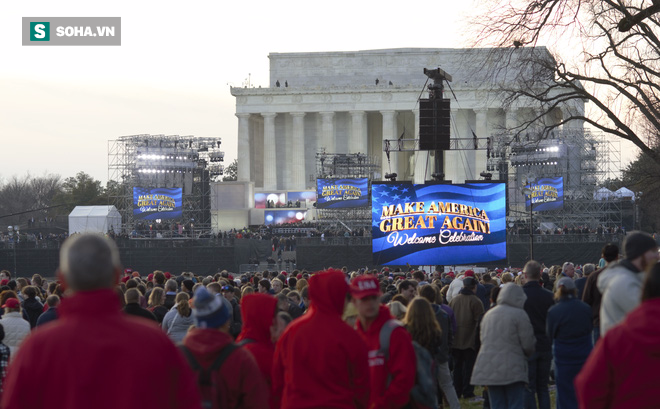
(47, 316)
(569, 329)
(482, 293)
(539, 300)
(580, 284)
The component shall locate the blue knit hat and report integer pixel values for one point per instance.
(208, 310)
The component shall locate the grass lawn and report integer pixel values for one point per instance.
(466, 404)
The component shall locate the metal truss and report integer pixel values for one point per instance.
(157, 161)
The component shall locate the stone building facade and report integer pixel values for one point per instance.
(349, 102)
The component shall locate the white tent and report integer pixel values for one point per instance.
(603, 194)
(94, 219)
(625, 192)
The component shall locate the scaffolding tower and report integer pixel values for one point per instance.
(343, 166)
(585, 159)
(165, 161)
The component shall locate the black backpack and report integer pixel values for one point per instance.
(245, 341)
(207, 377)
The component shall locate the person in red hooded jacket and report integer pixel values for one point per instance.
(622, 370)
(258, 312)
(321, 362)
(239, 384)
(392, 378)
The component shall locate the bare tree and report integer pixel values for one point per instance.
(23, 194)
(618, 72)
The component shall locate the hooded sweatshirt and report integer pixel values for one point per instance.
(321, 362)
(622, 370)
(257, 311)
(401, 365)
(240, 383)
(34, 309)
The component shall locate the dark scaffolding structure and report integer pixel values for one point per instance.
(343, 166)
(585, 160)
(165, 161)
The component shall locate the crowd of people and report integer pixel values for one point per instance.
(105, 337)
(599, 231)
(31, 240)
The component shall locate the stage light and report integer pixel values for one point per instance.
(391, 176)
(273, 197)
(487, 176)
(438, 176)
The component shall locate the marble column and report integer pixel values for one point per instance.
(510, 119)
(243, 157)
(481, 130)
(270, 158)
(328, 131)
(389, 132)
(359, 139)
(298, 151)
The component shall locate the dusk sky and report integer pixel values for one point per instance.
(59, 106)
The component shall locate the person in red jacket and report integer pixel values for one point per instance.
(392, 378)
(258, 312)
(622, 370)
(93, 355)
(240, 383)
(321, 362)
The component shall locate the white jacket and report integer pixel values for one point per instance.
(454, 287)
(16, 329)
(507, 339)
(622, 291)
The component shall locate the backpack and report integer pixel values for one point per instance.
(207, 377)
(424, 393)
(245, 341)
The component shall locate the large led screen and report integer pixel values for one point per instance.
(435, 224)
(283, 216)
(269, 200)
(302, 197)
(160, 203)
(547, 194)
(338, 193)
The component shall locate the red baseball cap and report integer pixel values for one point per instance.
(364, 286)
(11, 303)
(469, 273)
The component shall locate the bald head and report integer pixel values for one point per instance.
(89, 262)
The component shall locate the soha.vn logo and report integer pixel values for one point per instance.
(39, 31)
